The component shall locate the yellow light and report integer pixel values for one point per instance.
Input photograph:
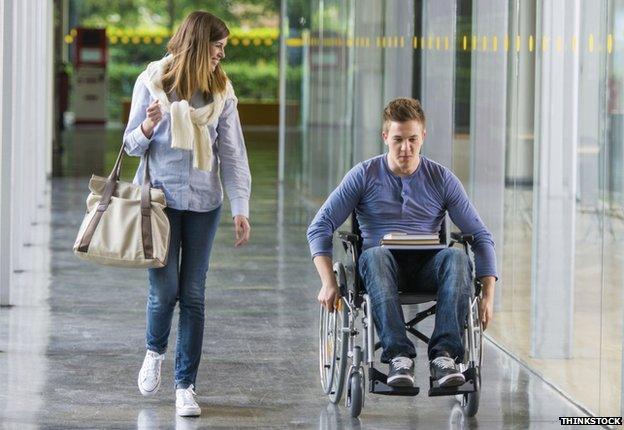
(494, 43)
(147, 39)
(574, 43)
(402, 41)
(609, 43)
(125, 39)
(113, 39)
(268, 42)
(559, 44)
(68, 39)
(545, 43)
(446, 43)
(73, 32)
(465, 43)
(246, 42)
(484, 43)
(430, 44)
(506, 43)
(473, 46)
(158, 40)
(531, 43)
(257, 42)
(591, 43)
(294, 42)
(234, 41)
(437, 43)
(415, 42)
(136, 39)
(518, 43)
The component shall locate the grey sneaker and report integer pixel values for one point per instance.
(445, 372)
(149, 376)
(186, 406)
(401, 372)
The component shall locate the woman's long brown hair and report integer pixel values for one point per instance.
(191, 69)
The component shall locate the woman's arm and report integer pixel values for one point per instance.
(134, 139)
(233, 157)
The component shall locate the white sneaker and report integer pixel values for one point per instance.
(186, 406)
(149, 376)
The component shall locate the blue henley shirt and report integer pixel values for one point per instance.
(384, 203)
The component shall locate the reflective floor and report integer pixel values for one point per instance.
(72, 344)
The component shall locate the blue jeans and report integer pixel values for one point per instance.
(183, 279)
(448, 273)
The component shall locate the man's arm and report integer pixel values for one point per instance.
(338, 206)
(329, 292)
(486, 306)
(465, 216)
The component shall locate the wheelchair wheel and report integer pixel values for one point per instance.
(333, 344)
(474, 351)
(356, 385)
(341, 351)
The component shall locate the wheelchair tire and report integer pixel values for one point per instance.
(355, 396)
(341, 351)
(470, 402)
(327, 353)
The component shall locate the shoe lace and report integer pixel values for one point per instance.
(444, 362)
(401, 363)
(187, 395)
(153, 364)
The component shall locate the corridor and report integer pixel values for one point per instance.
(72, 344)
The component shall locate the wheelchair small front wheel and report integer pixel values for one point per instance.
(355, 394)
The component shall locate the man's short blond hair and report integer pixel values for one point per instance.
(401, 110)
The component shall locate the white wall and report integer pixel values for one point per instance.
(26, 88)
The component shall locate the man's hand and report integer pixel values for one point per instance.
(328, 295)
(486, 305)
(241, 230)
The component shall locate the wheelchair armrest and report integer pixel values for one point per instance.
(347, 237)
(461, 238)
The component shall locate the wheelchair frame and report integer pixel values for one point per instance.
(339, 334)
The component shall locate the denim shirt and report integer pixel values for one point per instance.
(385, 203)
(172, 170)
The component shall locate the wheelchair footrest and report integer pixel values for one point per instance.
(377, 385)
(466, 387)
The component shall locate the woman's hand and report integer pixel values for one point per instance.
(241, 230)
(154, 115)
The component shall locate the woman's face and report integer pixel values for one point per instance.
(217, 52)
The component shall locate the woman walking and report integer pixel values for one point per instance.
(184, 120)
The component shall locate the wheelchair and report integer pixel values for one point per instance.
(343, 356)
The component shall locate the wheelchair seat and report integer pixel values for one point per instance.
(411, 298)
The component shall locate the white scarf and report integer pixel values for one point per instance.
(189, 126)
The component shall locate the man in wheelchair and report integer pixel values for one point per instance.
(402, 191)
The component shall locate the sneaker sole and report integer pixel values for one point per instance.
(400, 381)
(453, 380)
(188, 412)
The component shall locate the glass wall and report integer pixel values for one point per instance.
(525, 102)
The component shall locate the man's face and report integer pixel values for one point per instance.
(404, 140)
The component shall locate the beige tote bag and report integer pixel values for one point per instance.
(125, 224)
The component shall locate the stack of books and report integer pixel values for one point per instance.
(400, 240)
